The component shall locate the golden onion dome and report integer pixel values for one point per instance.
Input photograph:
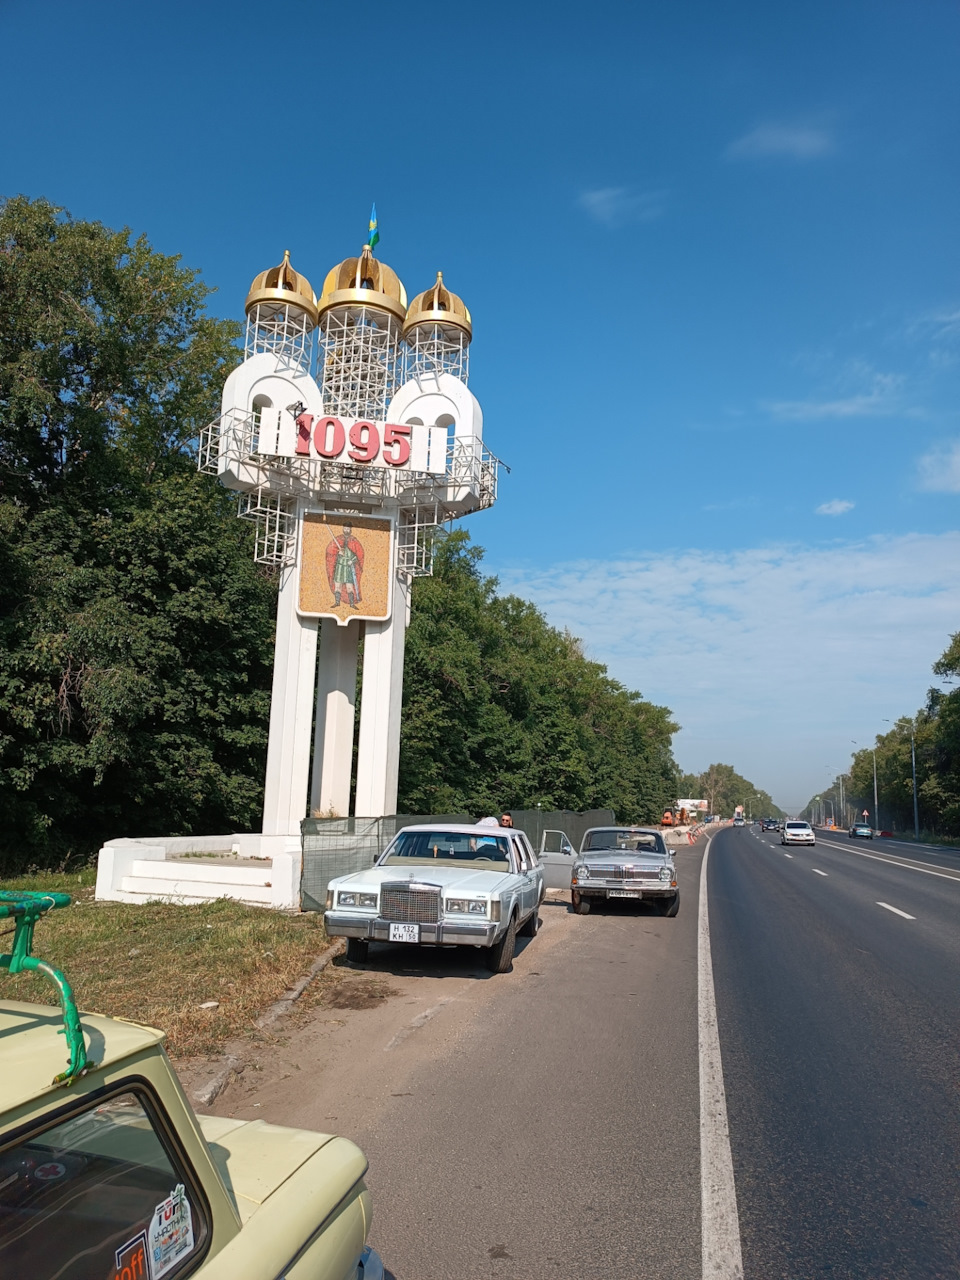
(282, 286)
(438, 306)
(364, 281)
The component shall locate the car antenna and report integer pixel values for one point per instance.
(25, 909)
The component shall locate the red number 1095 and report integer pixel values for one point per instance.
(329, 438)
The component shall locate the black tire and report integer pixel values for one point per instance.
(531, 926)
(670, 906)
(357, 950)
(500, 956)
(581, 905)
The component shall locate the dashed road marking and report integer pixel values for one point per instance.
(720, 1224)
(896, 910)
(816, 872)
(788, 855)
(892, 862)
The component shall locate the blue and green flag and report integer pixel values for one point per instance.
(374, 237)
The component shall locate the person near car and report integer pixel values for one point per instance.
(506, 820)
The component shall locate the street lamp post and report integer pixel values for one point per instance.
(916, 807)
(876, 800)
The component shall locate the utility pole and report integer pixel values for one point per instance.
(916, 807)
(876, 802)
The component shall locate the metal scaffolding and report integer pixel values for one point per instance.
(283, 330)
(432, 349)
(274, 486)
(359, 361)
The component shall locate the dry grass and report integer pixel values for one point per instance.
(157, 963)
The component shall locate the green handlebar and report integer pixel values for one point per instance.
(26, 908)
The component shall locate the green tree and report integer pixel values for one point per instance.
(502, 710)
(135, 630)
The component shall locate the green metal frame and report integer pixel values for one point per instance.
(25, 909)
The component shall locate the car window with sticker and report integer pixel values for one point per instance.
(99, 1197)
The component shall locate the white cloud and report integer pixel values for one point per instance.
(617, 206)
(880, 399)
(772, 658)
(835, 507)
(939, 469)
(797, 142)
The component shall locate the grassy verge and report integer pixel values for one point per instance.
(157, 963)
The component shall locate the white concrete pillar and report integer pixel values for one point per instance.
(291, 714)
(335, 718)
(378, 750)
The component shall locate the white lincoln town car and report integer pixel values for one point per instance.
(442, 885)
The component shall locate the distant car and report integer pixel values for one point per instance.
(797, 833)
(739, 822)
(861, 831)
(770, 824)
(625, 862)
(442, 885)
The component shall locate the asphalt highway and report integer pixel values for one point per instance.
(545, 1124)
(837, 977)
(541, 1124)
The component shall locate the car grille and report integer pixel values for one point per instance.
(409, 906)
(624, 873)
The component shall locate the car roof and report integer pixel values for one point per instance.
(612, 826)
(465, 829)
(34, 1048)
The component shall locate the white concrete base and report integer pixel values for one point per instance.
(149, 870)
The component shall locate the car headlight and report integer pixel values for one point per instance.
(353, 899)
(666, 873)
(466, 906)
(582, 872)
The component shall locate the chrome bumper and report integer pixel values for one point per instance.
(370, 1266)
(472, 933)
(655, 889)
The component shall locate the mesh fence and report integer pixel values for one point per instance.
(339, 846)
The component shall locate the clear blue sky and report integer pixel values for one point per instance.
(717, 243)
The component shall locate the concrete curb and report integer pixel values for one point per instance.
(233, 1064)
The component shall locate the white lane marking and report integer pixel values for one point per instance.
(720, 1223)
(896, 910)
(788, 855)
(417, 1023)
(891, 862)
(816, 872)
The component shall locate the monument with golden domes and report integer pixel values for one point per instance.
(351, 437)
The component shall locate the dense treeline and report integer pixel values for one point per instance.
(136, 632)
(935, 734)
(502, 710)
(723, 789)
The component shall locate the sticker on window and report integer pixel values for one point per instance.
(132, 1259)
(171, 1232)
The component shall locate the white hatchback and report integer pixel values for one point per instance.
(797, 833)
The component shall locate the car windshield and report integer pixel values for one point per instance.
(420, 848)
(798, 826)
(622, 840)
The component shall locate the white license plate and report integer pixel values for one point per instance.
(404, 933)
(624, 893)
